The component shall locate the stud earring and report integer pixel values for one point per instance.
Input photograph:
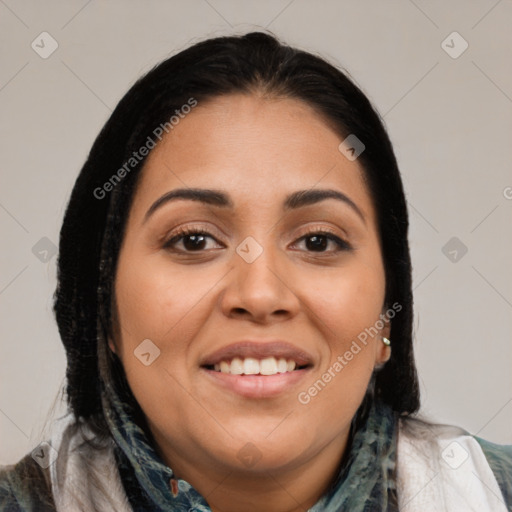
(386, 341)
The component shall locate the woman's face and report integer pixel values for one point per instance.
(259, 284)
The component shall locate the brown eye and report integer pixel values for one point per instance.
(318, 241)
(192, 240)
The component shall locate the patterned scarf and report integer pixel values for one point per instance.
(366, 480)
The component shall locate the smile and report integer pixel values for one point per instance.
(253, 366)
(257, 368)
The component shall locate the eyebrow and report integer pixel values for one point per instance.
(218, 198)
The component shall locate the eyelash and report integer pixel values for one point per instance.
(341, 244)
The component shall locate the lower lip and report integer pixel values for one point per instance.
(257, 386)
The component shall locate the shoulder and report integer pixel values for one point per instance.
(25, 487)
(499, 457)
(458, 463)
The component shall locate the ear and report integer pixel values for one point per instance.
(382, 351)
(111, 345)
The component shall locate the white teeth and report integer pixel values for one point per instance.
(282, 365)
(253, 366)
(237, 366)
(268, 366)
(290, 365)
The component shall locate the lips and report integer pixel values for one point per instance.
(258, 350)
(243, 368)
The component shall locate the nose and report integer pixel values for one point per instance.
(260, 291)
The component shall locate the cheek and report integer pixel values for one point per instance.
(162, 303)
(341, 383)
(347, 304)
(348, 300)
(153, 297)
(159, 304)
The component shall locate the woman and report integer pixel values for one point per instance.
(234, 297)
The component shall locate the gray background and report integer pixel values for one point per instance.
(450, 120)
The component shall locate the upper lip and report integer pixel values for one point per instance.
(259, 350)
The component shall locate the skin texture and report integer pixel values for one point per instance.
(257, 150)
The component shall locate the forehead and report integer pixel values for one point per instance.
(258, 149)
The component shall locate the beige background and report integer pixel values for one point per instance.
(450, 120)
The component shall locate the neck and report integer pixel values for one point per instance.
(295, 487)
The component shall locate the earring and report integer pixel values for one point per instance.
(386, 341)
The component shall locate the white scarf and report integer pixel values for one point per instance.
(440, 469)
